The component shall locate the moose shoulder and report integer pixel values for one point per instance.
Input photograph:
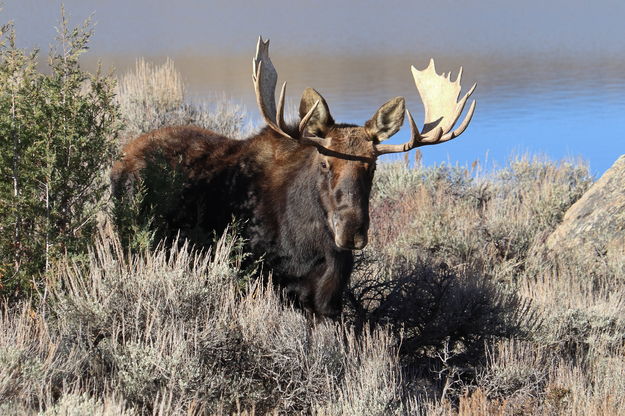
(301, 192)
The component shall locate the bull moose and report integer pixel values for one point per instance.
(301, 191)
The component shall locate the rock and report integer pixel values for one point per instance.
(597, 220)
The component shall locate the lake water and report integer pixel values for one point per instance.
(551, 75)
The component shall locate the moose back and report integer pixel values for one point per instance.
(300, 192)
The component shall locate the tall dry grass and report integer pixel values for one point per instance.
(153, 96)
(179, 332)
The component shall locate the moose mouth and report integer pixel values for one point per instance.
(349, 241)
(348, 235)
(356, 243)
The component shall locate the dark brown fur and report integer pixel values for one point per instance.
(304, 209)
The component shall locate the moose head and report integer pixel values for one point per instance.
(343, 164)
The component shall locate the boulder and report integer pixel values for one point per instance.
(597, 219)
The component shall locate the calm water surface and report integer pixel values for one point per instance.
(561, 109)
(551, 75)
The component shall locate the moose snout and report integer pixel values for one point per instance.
(350, 233)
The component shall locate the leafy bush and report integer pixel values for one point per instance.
(57, 136)
(486, 223)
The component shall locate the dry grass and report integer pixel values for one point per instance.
(568, 328)
(154, 96)
(176, 333)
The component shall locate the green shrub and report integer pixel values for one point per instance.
(57, 136)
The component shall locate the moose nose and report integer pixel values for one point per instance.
(349, 233)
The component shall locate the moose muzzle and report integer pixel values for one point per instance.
(350, 231)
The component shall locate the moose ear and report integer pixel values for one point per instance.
(387, 120)
(321, 120)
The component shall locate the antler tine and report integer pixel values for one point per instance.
(459, 109)
(442, 110)
(462, 127)
(265, 78)
(314, 140)
(416, 139)
(280, 109)
(304, 122)
(263, 102)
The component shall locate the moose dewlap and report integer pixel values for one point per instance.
(300, 192)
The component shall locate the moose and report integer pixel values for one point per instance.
(300, 191)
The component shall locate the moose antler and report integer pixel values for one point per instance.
(265, 78)
(439, 95)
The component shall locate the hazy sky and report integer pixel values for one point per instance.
(167, 26)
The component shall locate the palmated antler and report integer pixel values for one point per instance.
(265, 78)
(439, 95)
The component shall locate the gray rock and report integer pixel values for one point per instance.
(597, 220)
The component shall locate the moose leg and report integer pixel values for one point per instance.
(328, 290)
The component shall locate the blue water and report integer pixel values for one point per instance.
(565, 118)
(551, 75)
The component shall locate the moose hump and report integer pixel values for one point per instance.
(597, 219)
